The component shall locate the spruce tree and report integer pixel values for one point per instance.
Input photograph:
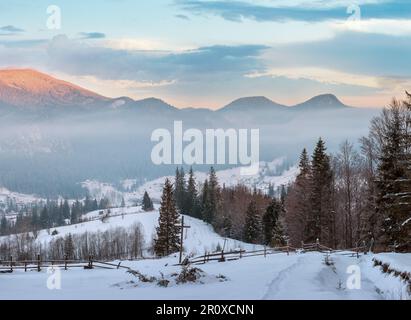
(252, 227)
(69, 246)
(147, 203)
(393, 180)
(34, 218)
(168, 231)
(212, 199)
(273, 233)
(192, 204)
(180, 190)
(271, 191)
(321, 219)
(4, 225)
(298, 203)
(206, 208)
(44, 218)
(66, 210)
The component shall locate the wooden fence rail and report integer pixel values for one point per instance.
(8, 266)
(239, 254)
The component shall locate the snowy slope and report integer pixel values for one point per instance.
(279, 276)
(269, 173)
(199, 238)
(18, 198)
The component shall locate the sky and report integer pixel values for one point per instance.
(206, 53)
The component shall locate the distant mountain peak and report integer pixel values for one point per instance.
(31, 88)
(252, 103)
(323, 101)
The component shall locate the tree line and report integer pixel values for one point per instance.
(115, 243)
(357, 196)
(50, 214)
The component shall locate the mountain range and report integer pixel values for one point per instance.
(54, 135)
(30, 89)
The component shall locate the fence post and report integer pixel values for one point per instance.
(241, 253)
(65, 262)
(90, 262)
(302, 245)
(38, 263)
(318, 244)
(288, 250)
(11, 263)
(265, 251)
(205, 254)
(222, 256)
(25, 265)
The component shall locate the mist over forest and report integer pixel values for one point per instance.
(50, 150)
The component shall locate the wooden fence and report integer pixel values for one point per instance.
(239, 254)
(66, 263)
(37, 265)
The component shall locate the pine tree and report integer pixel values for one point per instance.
(180, 190)
(66, 210)
(271, 191)
(69, 246)
(44, 218)
(393, 179)
(273, 233)
(168, 231)
(147, 203)
(34, 218)
(4, 225)
(252, 227)
(211, 198)
(321, 219)
(298, 203)
(76, 211)
(192, 204)
(206, 209)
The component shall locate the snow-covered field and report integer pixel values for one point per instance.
(199, 238)
(278, 276)
(298, 276)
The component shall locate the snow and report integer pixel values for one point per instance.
(269, 173)
(198, 239)
(19, 198)
(278, 276)
(397, 261)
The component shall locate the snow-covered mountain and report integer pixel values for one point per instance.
(29, 88)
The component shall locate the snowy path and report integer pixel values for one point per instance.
(310, 278)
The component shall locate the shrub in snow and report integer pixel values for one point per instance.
(189, 274)
(141, 277)
(163, 282)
